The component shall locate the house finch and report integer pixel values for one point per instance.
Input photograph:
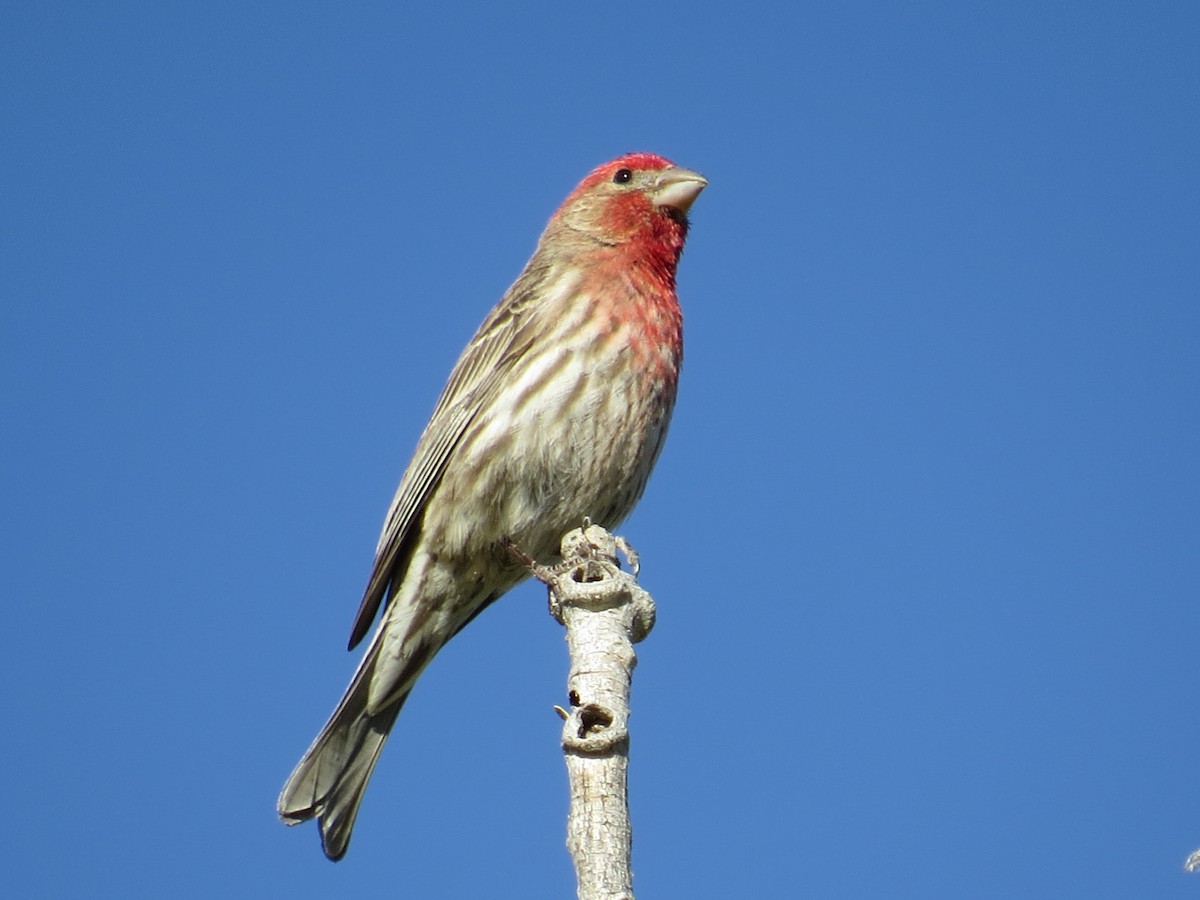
(556, 410)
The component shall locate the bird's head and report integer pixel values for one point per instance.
(639, 197)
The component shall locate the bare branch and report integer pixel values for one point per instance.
(605, 613)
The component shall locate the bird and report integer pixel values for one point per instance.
(556, 410)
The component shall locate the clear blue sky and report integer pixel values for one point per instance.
(924, 538)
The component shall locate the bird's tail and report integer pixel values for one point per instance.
(328, 782)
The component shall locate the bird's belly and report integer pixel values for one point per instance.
(565, 447)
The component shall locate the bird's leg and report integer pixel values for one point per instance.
(544, 574)
(604, 547)
(631, 556)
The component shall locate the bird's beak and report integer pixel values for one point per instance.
(678, 188)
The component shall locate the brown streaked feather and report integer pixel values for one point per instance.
(492, 352)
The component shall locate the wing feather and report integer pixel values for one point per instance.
(492, 352)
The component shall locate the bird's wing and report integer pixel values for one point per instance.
(499, 342)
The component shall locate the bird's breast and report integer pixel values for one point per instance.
(574, 431)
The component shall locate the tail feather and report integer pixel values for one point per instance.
(328, 782)
(341, 809)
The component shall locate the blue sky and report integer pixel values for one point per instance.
(924, 539)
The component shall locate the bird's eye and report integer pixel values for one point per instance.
(622, 176)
